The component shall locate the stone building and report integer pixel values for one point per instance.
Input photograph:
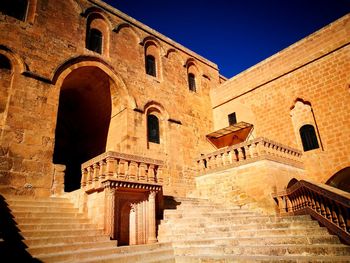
(105, 111)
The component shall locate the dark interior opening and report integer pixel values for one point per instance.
(341, 180)
(14, 8)
(83, 119)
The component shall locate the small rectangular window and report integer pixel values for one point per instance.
(232, 118)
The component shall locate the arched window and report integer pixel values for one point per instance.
(151, 65)
(14, 8)
(152, 128)
(308, 137)
(94, 40)
(192, 82)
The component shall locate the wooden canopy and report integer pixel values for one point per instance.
(230, 135)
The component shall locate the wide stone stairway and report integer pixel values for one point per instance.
(195, 230)
(54, 231)
(205, 232)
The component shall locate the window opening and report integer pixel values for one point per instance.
(192, 82)
(308, 137)
(14, 8)
(153, 128)
(94, 42)
(151, 65)
(232, 118)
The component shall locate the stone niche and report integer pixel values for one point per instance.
(131, 209)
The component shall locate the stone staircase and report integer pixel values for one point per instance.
(206, 232)
(54, 231)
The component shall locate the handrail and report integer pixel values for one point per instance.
(329, 205)
(121, 167)
(257, 149)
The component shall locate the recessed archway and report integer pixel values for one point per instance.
(341, 180)
(83, 120)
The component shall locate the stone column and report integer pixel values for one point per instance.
(110, 218)
(152, 238)
(132, 225)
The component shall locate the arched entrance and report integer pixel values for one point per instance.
(341, 180)
(83, 120)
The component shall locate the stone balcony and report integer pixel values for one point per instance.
(256, 168)
(248, 152)
(124, 168)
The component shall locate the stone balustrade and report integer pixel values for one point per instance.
(329, 205)
(121, 167)
(245, 152)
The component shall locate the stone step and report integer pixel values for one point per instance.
(117, 254)
(14, 203)
(56, 226)
(43, 209)
(177, 235)
(50, 249)
(53, 240)
(255, 259)
(237, 219)
(10, 198)
(45, 215)
(213, 214)
(60, 233)
(156, 256)
(271, 240)
(273, 250)
(207, 210)
(50, 220)
(227, 226)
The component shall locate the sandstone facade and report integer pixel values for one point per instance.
(65, 100)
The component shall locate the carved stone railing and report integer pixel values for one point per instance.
(121, 167)
(246, 152)
(328, 205)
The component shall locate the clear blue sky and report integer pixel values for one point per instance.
(234, 34)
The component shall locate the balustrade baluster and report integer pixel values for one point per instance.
(247, 151)
(90, 175)
(84, 175)
(150, 173)
(253, 151)
(110, 167)
(122, 169)
(96, 173)
(334, 214)
(323, 209)
(342, 224)
(133, 170)
(318, 208)
(102, 173)
(159, 175)
(328, 212)
(240, 154)
(142, 172)
(313, 202)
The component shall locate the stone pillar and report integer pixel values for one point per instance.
(58, 179)
(152, 238)
(132, 225)
(110, 211)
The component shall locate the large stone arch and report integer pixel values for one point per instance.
(92, 106)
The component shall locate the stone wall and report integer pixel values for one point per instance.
(314, 72)
(249, 183)
(46, 48)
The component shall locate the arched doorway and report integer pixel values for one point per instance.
(83, 119)
(341, 180)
